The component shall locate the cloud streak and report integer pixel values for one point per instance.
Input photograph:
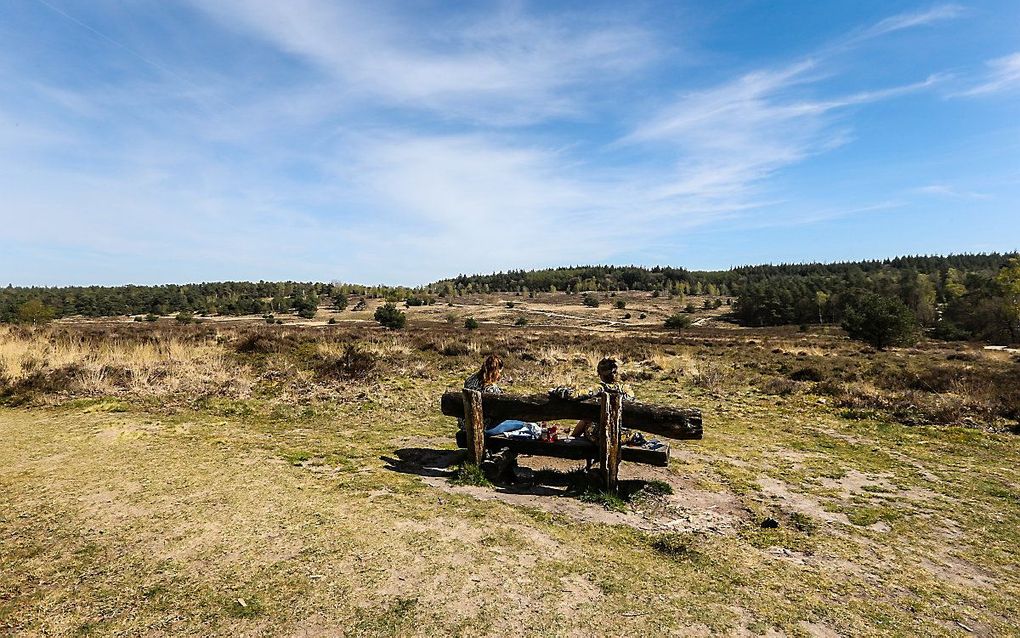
(1001, 75)
(503, 68)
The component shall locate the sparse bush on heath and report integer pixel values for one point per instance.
(390, 317)
(678, 322)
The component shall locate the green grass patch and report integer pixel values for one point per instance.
(470, 474)
(296, 457)
(869, 515)
(243, 607)
(608, 500)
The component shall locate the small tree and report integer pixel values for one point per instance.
(678, 322)
(35, 312)
(185, 316)
(521, 321)
(389, 317)
(880, 321)
(471, 323)
(689, 308)
(1009, 281)
(591, 301)
(621, 304)
(340, 302)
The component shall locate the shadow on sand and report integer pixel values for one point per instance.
(536, 482)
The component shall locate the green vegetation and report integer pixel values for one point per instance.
(389, 317)
(954, 297)
(678, 322)
(35, 312)
(880, 321)
(470, 474)
(471, 323)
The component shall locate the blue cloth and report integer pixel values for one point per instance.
(506, 426)
(513, 429)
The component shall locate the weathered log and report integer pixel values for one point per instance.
(673, 423)
(608, 439)
(474, 425)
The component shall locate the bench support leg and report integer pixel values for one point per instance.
(474, 426)
(609, 439)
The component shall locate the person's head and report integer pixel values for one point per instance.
(492, 368)
(609, 370)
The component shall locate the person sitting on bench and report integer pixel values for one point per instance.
(609, 381)
(485, 381)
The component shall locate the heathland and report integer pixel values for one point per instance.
(293, 476)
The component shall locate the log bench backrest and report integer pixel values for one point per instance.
(672, 423)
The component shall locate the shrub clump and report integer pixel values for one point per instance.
(353, 363)
(678, 322)
(880, 321)
(390, 317)
(807, 374)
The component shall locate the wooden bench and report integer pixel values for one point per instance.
(607, 413)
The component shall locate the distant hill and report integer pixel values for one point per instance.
(952, 296)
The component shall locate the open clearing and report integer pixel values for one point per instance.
(264, 510)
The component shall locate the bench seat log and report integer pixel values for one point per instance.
(571, 449)
(672, 423)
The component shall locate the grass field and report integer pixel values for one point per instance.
(299, 481)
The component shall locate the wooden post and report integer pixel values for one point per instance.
(609, 439)
(474, 426)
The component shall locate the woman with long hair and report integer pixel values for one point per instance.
(486, 380)
(487, 377)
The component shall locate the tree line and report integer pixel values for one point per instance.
(34, 304)
(968, 296)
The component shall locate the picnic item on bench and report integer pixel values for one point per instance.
(548, 433)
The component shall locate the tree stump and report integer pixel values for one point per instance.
(608, 438)
(474, 426)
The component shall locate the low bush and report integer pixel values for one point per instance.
(390, 317)
(353, 363)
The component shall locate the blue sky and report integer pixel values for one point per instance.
(154, 141)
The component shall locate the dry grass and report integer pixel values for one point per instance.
(92, 365)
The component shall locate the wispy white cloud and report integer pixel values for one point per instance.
(1001, 74)
(945, 190)
(504, 67)
(727, 140)
(908, 20)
